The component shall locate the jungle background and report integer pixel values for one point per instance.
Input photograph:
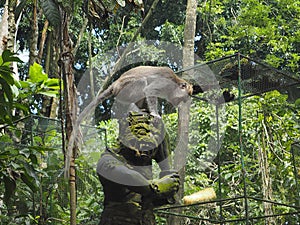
(37, 78)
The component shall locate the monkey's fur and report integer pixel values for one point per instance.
(138, 89)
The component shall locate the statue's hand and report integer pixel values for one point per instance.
(165, 186)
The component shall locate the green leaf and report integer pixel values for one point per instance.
(52, 94)
(22, 107)
(6, 73)
(5, 115)
(10, 187)
(227, 176)
(51, 11)
(5, 138)
(36, 73)
(297, 102)
(52, 82)
(29, 181)
(5, 155)
(8, 56)
(41, 149)
(15, 90)
(20, 7)
(33, 158)
(138, 2)
(30, 178)
(24, 84)
(7, 90)
(121, 2)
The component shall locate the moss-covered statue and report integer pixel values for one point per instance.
(125, 172)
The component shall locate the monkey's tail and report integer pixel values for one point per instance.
(101, 96)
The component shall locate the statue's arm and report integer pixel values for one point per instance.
(116, 171)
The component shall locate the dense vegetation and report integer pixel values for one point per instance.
(32, 187)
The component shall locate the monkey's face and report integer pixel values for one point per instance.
(186, 87)
(181, 93)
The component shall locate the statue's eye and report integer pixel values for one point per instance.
(183, 85)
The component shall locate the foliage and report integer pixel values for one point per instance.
(39, 83)
(9, 88)
(20, 161)
(31, 181)
(267, 30)
(22, 168)
(278, 121)
(36, 85)
(89, 191)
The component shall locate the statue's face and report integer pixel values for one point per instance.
(141, 132)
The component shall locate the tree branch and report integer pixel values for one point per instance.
(83, 28)
(114, 75)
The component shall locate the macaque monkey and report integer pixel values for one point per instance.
(144, 84)
(139, 88)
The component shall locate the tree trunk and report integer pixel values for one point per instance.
(4, 28)
(267, 189)
(91, 63)
(189, 34)
(11, 25)
(42, 42)
(50, 62)
(34, 36)
(70, 107)
(8, 30)
(184, 109)
(47, 104)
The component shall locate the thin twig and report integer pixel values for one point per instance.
(83, 29)
(137, 32)
(121, 33)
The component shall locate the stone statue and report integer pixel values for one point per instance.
(126, 172)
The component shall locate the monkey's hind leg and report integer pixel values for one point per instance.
(152, 106)
(134, 108)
